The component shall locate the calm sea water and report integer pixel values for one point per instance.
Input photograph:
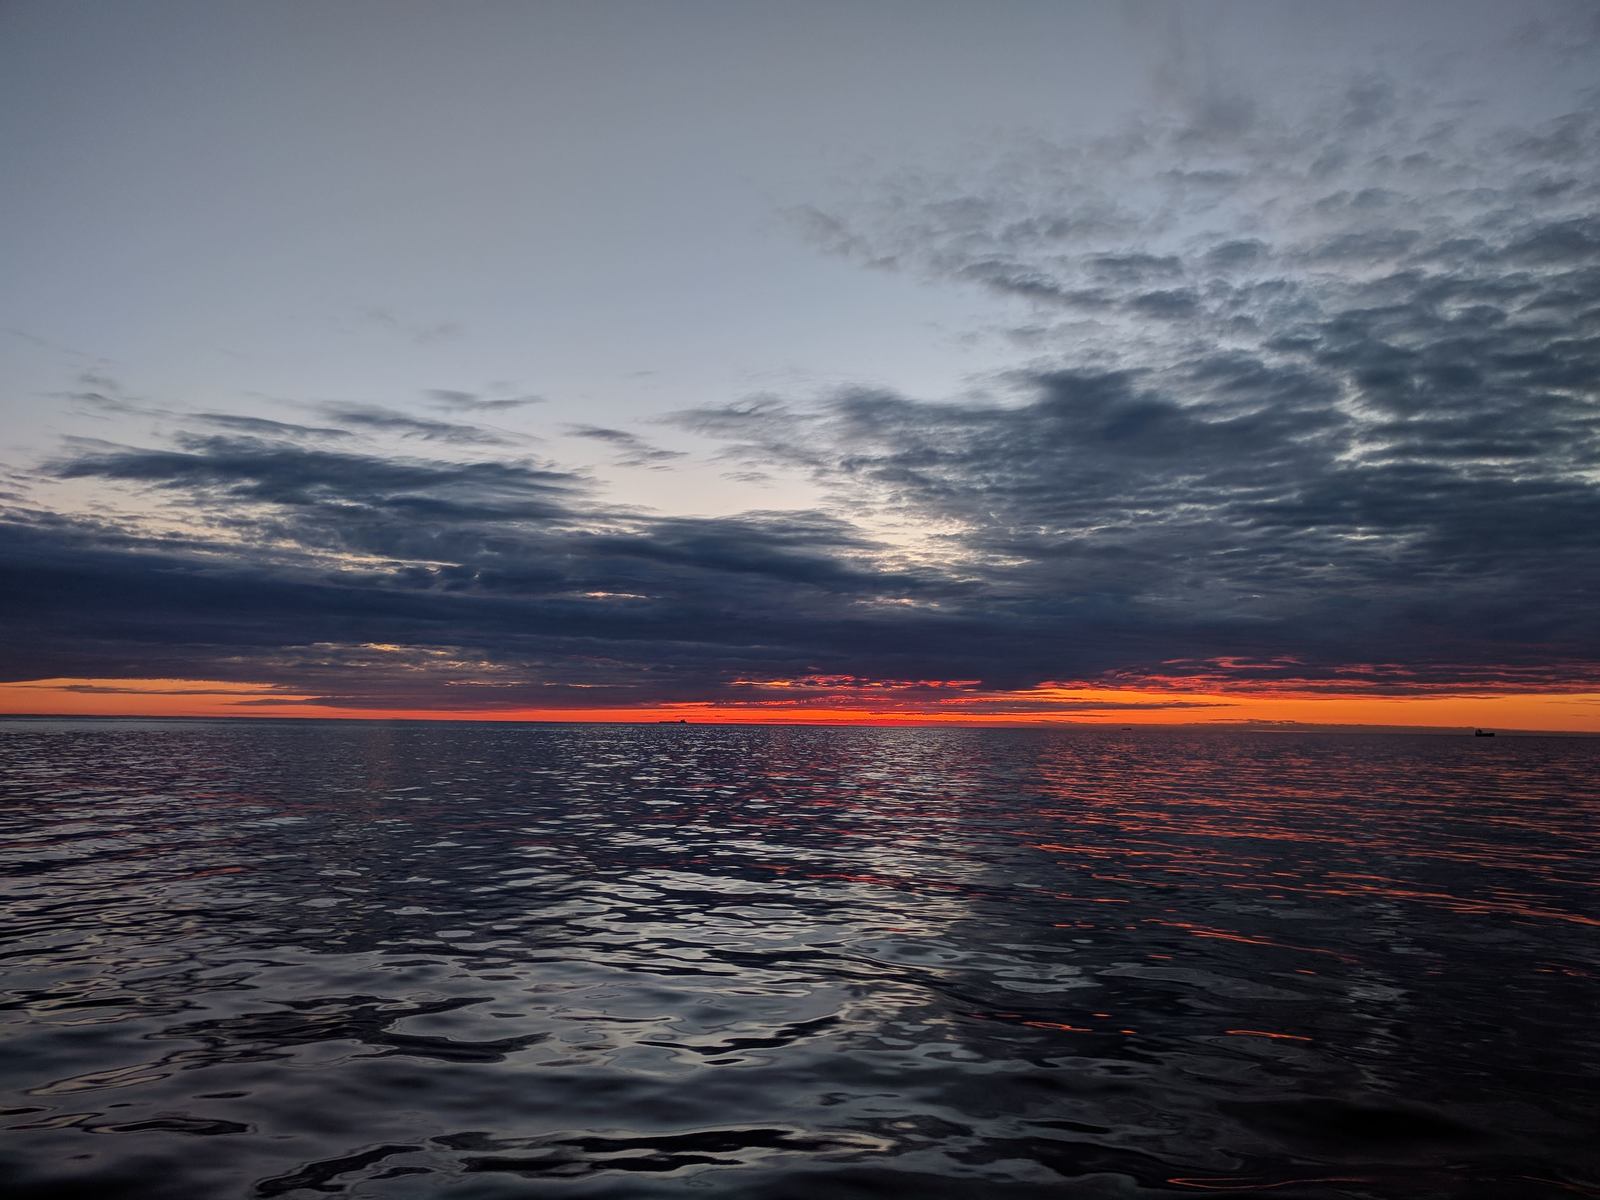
(301, 960)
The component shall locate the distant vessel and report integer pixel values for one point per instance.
(1483, 733)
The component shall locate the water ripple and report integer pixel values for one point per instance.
(304, 959)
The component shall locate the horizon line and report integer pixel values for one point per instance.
(1244, 725)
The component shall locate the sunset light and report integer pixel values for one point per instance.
(805, 600)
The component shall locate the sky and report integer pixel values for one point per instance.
(893, 361)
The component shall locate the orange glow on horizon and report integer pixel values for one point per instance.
(1575, 712)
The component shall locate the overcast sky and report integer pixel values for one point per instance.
(647, 352)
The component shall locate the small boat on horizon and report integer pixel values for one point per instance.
(1483, 733)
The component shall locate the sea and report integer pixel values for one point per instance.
(300, 959)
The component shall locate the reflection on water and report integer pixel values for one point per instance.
(300, 960)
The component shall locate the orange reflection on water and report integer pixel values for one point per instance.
(1225, 1184)
(1455, 825)
(1223, 935)
(1058, 1025)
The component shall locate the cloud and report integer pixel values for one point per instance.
(266, 427)
(304, 500)
(1350, 412)
(1312, 404)
(418, 333)
(96, 689)
(632, 450)
(389, 420)
(473, 402)
(645, 611)
(106, 396)
(498, 581)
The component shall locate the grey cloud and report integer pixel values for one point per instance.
(1217, 115)
(388, 420)
(1396, 461)
(1170, 305)
(276, 473)
(1368, 102)
(473, 402)
(632, 450)
(656, 609)
(266, 427)
(1342, 431)
(420, 333)
(106, 394)
(1028, 283)
(1241, 253)
(1133, 267)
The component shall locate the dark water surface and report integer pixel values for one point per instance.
(398, 960)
